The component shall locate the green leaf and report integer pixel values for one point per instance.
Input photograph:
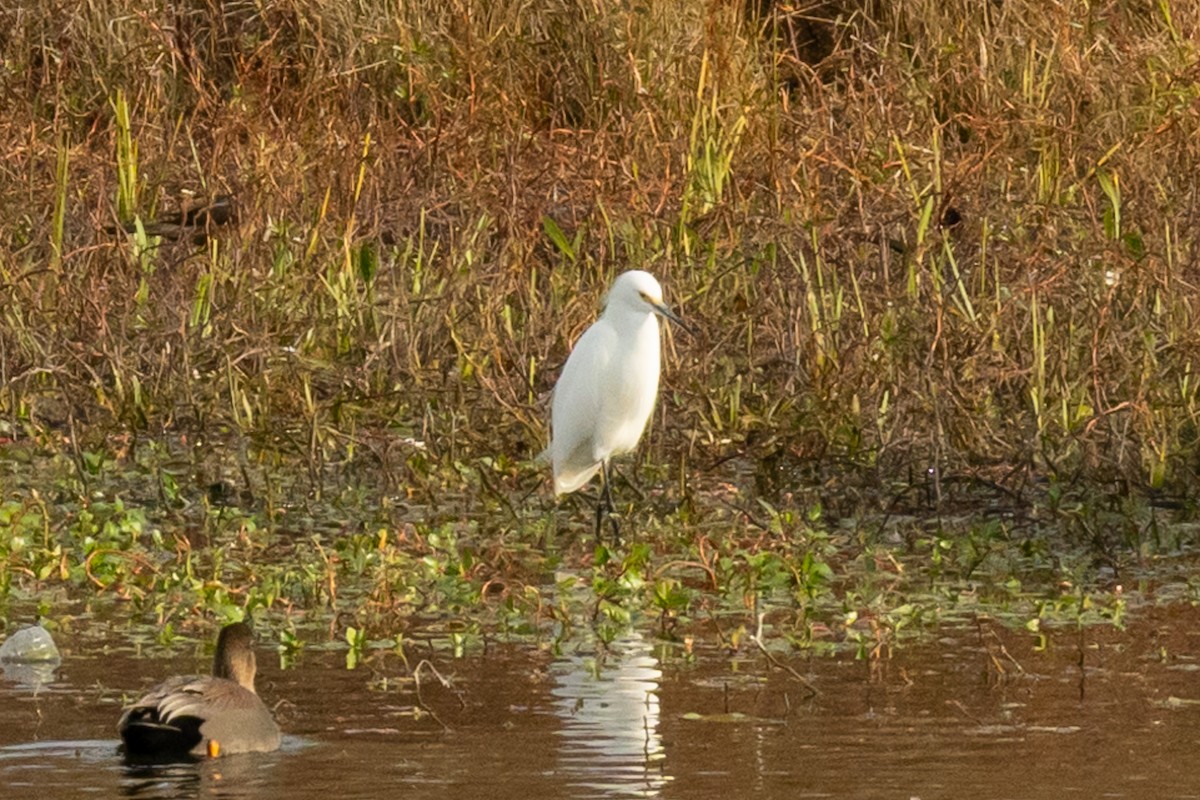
(558, 237)
(368, 263)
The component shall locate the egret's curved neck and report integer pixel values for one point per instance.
(632, 321)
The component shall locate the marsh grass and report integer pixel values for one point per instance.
(435, 196)
(923, 245)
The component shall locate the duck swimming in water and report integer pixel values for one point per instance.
(199, 715)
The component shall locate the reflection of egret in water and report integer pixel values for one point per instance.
(609, 708)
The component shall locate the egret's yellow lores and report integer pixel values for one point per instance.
(607, 389)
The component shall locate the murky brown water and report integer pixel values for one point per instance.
(936, 721)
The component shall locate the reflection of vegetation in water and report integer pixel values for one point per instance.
(937, 256)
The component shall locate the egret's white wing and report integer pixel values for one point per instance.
(578, 397)
(629, 388)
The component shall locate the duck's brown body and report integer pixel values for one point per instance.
(201, 715)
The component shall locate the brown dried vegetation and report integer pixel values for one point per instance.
(907, 234)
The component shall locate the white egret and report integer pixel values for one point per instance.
(607, 389)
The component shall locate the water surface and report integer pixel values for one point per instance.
(980, 713)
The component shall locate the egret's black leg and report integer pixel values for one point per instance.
(603, 500)
(608, 505)
(599, 514)
(604, 506)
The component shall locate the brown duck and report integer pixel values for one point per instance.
(200, 715)
(199, 219)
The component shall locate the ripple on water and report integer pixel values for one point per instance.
(1072, 714)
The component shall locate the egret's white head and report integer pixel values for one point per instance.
(636, 290)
